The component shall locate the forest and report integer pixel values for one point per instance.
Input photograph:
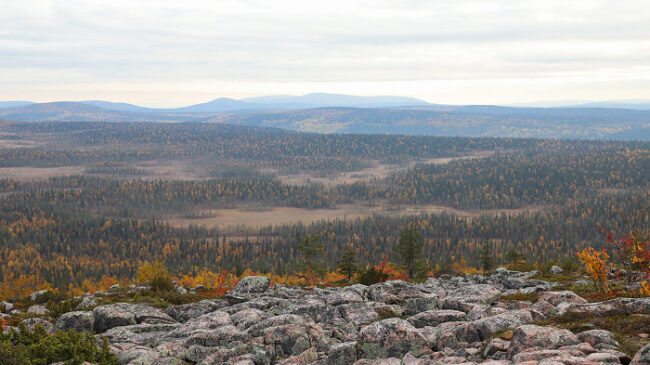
(111, 215)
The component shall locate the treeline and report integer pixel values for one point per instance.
(514, 181)
(86, 142)
(68, 246)
(489, 183)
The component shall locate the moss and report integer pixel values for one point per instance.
(373, 351)
(625, 328)
(532, 297)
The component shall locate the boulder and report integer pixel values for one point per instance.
(31, 323)
(541, 338)
(557, 297)
(293, 339)
(435, 317)
(38, 295)
(184, 312)
(391, 337)
(6, 307)
(79, 321)
(343, 297)
(342, 354)
(124, 314)
(556, 270)
(642, 357)
(38, 309)
(599, 339)
(250, 285)
(417, 305)
(248, 317)
(484, 328)
(139, 334)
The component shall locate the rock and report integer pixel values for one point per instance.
(219, 336)
(250, 285)
(208, 321)
(557, 297)
(603, 358)
(546, 357)
(30, 324)
(279, 320)
(293, 339)
(642, 357)
(87, 302)
(139, 334)
(477, 293)
(418, 305)
(395, 291)
(359, 314)
(38, 295)
(248, 317)
(79, 321)
(184, 312)
(556, 270)
(494, 346)
(435, 317)
(124, 314)
(38, 309)
(342, 353)
(6, 307)
(541, 338)
(390, 337)
(484, 328)
(599, 338)
(343, 297)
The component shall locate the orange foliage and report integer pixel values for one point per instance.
(596, 266)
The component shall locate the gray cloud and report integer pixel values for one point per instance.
(252, 46)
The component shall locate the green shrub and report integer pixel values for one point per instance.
(37, 347)
(372, 276)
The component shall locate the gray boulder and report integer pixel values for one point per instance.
(642, 357)
(79, 321)
(30, 324)
(184, 312)
(556, 270)
(250, 285)
(124, 314)
(342, 354)
(391, 337)
(435, 317)
(530, 336)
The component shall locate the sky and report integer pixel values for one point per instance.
(172, 53)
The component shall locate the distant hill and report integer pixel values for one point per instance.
(76, 111)
(425, 119)
(13, 104)
(462, 121)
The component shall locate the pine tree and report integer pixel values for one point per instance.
(312, 252)
(347, 264)
(485, 258)
(513, 256)
(409, 251)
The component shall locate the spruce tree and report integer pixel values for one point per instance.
(409, 251)
(347, 264)
(312, 252)
(486, 256)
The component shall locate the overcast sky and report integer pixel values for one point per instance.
(172, 53)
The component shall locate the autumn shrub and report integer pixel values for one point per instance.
(36, 347)
(596, 266)
(156, 275)
(633, 252)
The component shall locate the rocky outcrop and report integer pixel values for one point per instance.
(449, 320)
